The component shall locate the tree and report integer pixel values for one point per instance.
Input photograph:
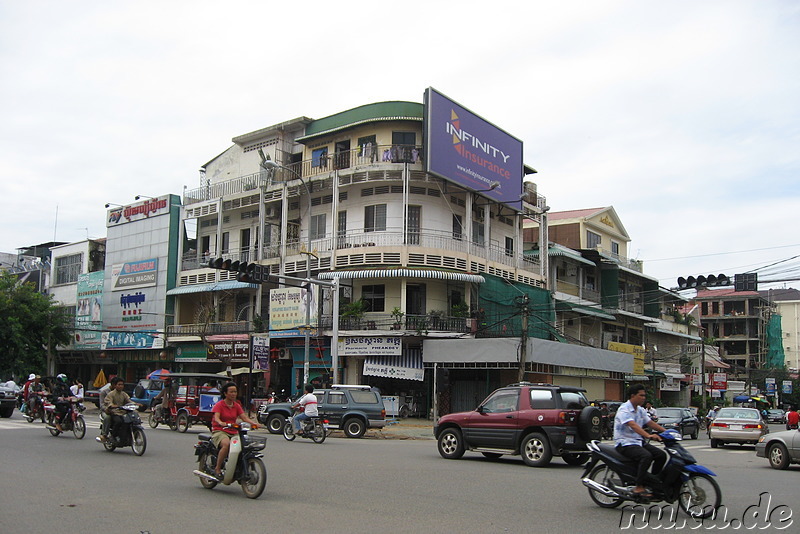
(31, 324)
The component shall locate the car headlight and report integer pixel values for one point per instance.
(761, 438)
(670, 425)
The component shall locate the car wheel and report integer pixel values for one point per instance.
(6, 412)
(694, 433)
(354, 427)
(451, 444)
(575, 459)
(778, 456)
(714, 443)
(275, 423)
(535, 450)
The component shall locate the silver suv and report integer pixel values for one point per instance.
(352, 409)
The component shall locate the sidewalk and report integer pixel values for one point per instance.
(410, 428)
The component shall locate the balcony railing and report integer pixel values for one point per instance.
(577, 291)
(250, 182)
(210, 329)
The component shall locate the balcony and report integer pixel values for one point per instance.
(210, 329)
(583, 292)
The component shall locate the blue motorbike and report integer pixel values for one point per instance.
(610, 478)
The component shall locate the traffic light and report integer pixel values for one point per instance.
(251, 273)
(745, 282)
(711, 280)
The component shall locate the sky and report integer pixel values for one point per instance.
(684, 116)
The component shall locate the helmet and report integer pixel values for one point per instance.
(61, 377)
(32, 376)
(716, 407)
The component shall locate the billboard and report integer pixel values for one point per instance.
(141, 210)
(134, 274)
(465, 149)
(89, 311)
(288, 308)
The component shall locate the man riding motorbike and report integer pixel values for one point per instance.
(61, 395)
(226, 412)
(630, 437)
(308, 404)
(36, 392)
(112, 405)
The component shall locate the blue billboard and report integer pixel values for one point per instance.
(465, 149)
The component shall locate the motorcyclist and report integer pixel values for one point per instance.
(631, 438)
(711, 415)
(61, 395)
(308, 404)
(113, 403)
(162, 400)
(226, 412)
(36, 391)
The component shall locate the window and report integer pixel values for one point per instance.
(542, 399)
(336, 397)
(478, 233)
(341, 229)
(68, 268)
(319, 158)
(318, 226)
(375, 218)
(226, 242)
(367, 147)
(374, 297)
(403, 147)
(509, 246)
(593, 240)
(615, 248)
(573, 401)
(501, 402)
(414, 222)
(458, 227)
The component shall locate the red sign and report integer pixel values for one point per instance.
(719, 381)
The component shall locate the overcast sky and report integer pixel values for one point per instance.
(683, 115)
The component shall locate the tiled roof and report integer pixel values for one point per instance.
(714, 293)
(777, 295)
(573, 214)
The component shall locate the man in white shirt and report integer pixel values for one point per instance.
(630, 437)
(308, 403)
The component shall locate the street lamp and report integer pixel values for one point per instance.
(268, 164)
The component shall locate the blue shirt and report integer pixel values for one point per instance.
(624, 434)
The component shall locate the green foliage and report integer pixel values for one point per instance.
(355, 309)
(459, 310)
(31, 324)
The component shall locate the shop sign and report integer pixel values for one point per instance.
(370, 346)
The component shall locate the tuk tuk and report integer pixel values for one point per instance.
(192, 396)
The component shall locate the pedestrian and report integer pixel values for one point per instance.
(792, 418)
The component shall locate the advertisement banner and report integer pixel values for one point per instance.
(770, 386)
(370, 346)
(233, 350)
(288, 308)
(388, 370)
(141, 210)
(131, 340)
(134, 274)
(636, 350)
(736, 386)
(89, 311)
(466, 149)
(719, 381)
(787, 387)
(260, 348)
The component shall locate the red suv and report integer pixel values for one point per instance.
(536, 421)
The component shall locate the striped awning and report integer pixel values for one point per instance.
(215, 286)
(407, 366)
(404, 273)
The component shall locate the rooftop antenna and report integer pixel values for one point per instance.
(55, 225)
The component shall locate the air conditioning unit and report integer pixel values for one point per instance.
(270, 213)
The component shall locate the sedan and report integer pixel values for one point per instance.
(780, 448)
(737, 425)
(680, 419)
(776, 416)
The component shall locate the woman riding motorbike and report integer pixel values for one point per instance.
(226, 412)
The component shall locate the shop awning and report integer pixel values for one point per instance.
(560, 251)
(215, 286)
(583, 310)
(404, 273)
(407, 366)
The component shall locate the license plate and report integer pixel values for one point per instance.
(735, 427)
(570, 440)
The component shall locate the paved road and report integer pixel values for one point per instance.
(52, 485)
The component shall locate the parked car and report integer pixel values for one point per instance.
(536, 421)
(781, 448)
(353, 409)
(776, 416)
(680, 419)
(8, 400)
(145, 391)
(737, 425)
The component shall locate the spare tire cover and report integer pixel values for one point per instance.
(138, 391)
(589, 424)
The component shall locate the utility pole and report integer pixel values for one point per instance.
(523, 349)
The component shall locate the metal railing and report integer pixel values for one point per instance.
(210, 329)
(250, 182)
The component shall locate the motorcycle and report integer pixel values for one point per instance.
(610, 478)
(71, 420)
(36, 408)
(161, 414)
(243, 465)
(314, 428)
(128, 434)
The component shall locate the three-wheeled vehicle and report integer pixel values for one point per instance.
(191, 398)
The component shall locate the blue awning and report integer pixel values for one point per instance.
(404, 273)
(215, 286)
